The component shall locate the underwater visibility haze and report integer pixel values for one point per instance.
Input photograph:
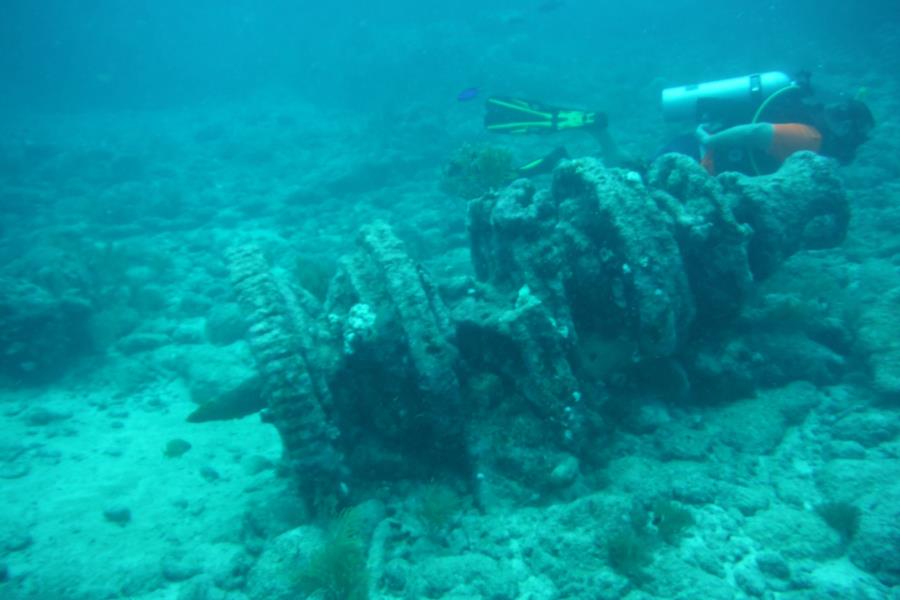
(541, 300)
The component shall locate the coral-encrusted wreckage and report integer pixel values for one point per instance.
(606, 286)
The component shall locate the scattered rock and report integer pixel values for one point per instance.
(293, 547)
(750, 580)
(177, 447)
(752, 426)
(887, 374)
(209, 474)
(874, 547)
(281, 513)
(178, 567)
(194, 304)
(708, 560)
(13, 461)
(748, 500)
(773, 564)
(14, 470)
(840, 449)
(879, 332)
(794, 401)
(136, 580)
(189, 332)
(225, 324)
(691, 484)
(150, 298)
(120, 515)
(676, 441)
(13, 409)
(48, 456)
(848, 480)
(141, 342)
(255, 464)
(797, 534)
(16, 540)
(841, 579)
(43, 331)
(41, 416)
(565, 472)
(231, 573)
(470, 575)
(201, 588)
(868, 429)
(395, 575)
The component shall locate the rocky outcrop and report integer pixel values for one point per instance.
(41, 334)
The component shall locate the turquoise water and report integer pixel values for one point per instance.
(279, 319)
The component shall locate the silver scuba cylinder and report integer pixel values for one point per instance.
(684, 103)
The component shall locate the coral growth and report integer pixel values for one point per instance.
(336, 570)
(476, 170)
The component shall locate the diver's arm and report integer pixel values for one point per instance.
(755, 135)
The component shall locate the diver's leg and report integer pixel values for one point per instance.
(609, 150)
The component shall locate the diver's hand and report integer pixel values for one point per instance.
(702, 134)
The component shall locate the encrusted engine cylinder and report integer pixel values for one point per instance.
(604, 262)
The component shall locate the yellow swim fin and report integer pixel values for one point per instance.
(515, 115)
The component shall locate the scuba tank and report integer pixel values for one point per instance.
(729, 100)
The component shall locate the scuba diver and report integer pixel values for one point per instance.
(748, 124)
(752, 124)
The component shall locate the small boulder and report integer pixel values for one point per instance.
(118, 514)
(225, 324)
(176, 447)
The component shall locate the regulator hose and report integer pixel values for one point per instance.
(759, 111)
